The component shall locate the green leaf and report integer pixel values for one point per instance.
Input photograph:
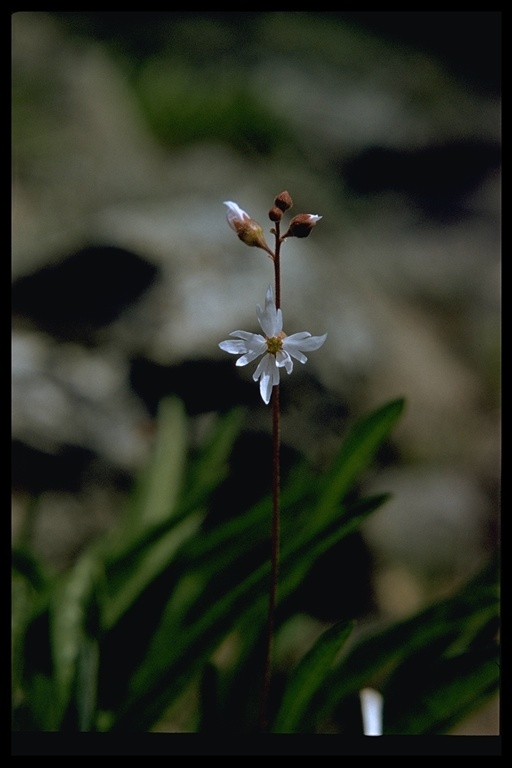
(203, 608)
(308, 675)
(22, 606)
(30, 589)
(174, 664)
(87, 683)
(31, 569)
(357, 452)
(210, 720)
(443, 693)
(440, 630)
(154, 498)
(135, 560)
(212, 464)
(126, 579)
(300, 552)
(69, 614)
(237, 542)
(44, 710)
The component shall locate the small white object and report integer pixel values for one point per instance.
(371, 708)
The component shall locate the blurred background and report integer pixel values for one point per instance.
(129, 130)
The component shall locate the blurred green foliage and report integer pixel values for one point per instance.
(159, 624)
(183, 106)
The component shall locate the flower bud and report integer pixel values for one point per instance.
(275, 214)
(302, 224)
(247, 229)
(283, 201)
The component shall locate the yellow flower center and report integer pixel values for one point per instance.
(275, 344)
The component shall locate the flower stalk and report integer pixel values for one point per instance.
(277, 349)
(276, 516)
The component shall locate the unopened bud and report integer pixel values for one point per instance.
(247, 229)
(283, 201)
(302, 224)
(275, 214)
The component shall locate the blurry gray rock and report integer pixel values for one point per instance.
(63, 394)
(434, 523)
(411, 305)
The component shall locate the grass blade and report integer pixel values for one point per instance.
(357, 451)
(448, 627)
(307, 677)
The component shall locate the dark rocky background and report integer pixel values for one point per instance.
(130, 129)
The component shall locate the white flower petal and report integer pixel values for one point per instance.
(312, 342)
(297, 336)
(268, 374)
(284, 360)
(301, 342)
(254, 342)
(235, 213)
(269, 298)
(251, 355)
(237, 347)
(279, 322)
(270, 318)
(274, 314)
(249, 345)
(297, 354)
(251, 338)
(263, 366)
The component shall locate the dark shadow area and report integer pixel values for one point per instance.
(74, 298)
(437, 179)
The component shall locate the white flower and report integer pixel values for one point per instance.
(276, 347)
(235, 215)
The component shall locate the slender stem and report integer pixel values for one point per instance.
(276, 449)
(277, 269)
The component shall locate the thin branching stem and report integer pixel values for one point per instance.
(276, 483)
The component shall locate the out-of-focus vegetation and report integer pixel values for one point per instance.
(159, 624)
